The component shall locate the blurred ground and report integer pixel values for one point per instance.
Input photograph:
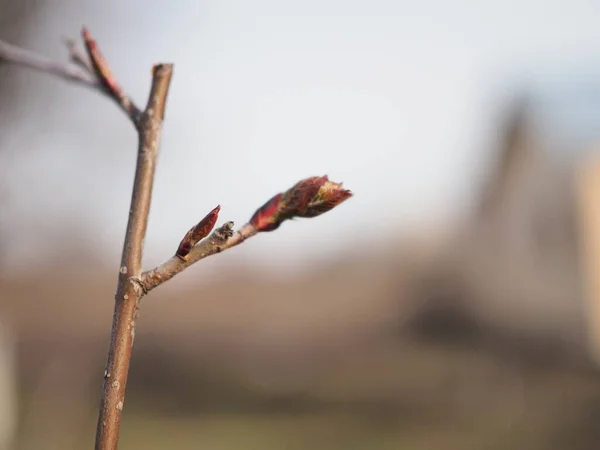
(341, 356)
(466, 336)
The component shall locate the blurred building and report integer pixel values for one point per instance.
(523, 269)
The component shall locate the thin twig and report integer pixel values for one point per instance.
(26, 58)
(82, 72)
(97, 74)
(108, 81)
(221, 239)
(76, 56)
(308, 198)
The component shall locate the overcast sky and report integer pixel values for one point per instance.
(397, 99)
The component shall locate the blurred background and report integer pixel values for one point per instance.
(452, 303)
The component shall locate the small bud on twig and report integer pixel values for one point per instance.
(99, 63)
(198, 232)
(310, 197)
(101, 69)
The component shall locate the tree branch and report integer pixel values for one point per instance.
(26, 58)
(307, 198)
(96, 73)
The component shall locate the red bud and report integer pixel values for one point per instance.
(328, 197)
(308, 198)
(99, 63)
(198, 232)
(297, 198)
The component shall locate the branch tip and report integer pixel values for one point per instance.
(98, 66)
(161, 80)
(161, 67)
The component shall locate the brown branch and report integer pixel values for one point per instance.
(129, 291)
(97, 74)
(310, 197)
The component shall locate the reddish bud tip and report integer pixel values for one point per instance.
(299, 196)
(329, 196)
(308, 198)
(198, 232)
(100, 65)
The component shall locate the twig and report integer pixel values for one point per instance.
(221, 239)
(108, 80)
(75, 56)
(129, 292)
(310, 197)
(83, 72)
(307, 198)
(96, 73)
(26, 58)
